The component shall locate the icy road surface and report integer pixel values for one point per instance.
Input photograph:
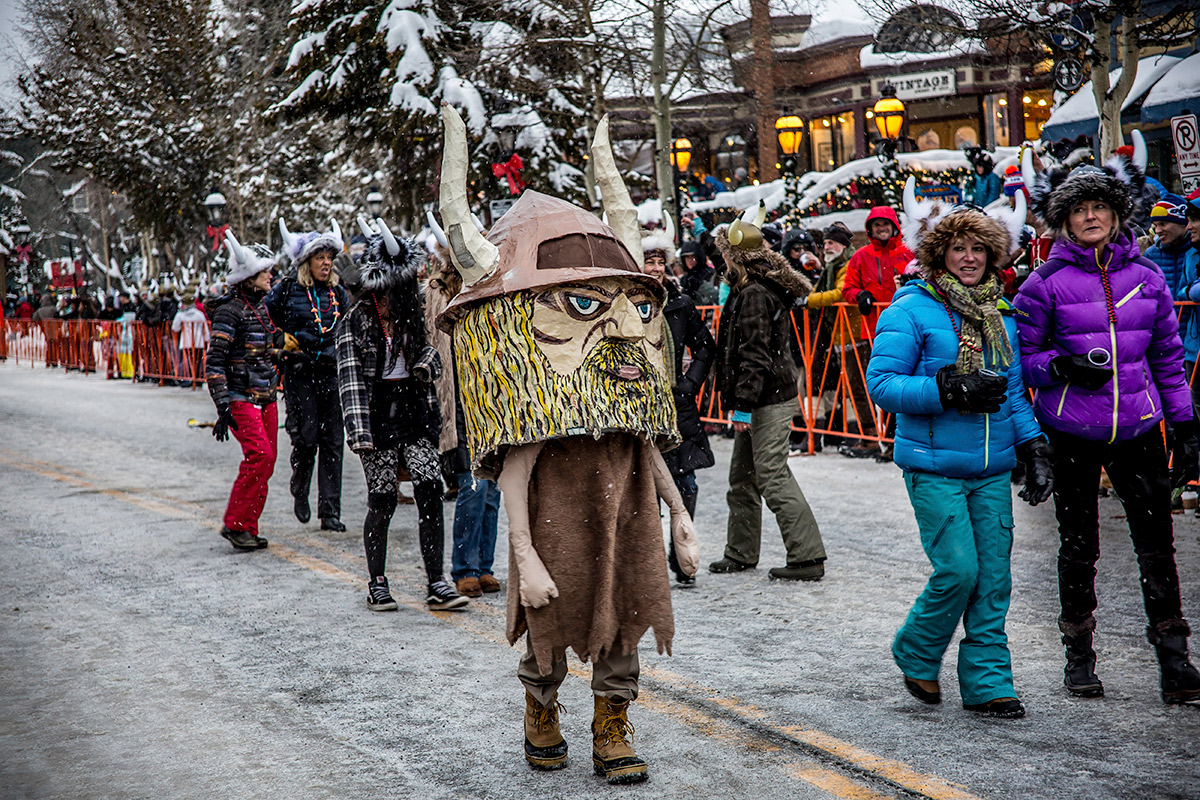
(140, 656)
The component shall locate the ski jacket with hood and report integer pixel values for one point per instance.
(873, 268)
(1121, 306)
(1173, 263)
(240, 364)
(914, 340)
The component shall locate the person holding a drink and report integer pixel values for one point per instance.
(945, 362)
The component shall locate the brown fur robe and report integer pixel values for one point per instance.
(593, 510)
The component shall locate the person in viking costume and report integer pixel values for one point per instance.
(558, 341)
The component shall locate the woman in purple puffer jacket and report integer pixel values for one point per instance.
(1100, 345)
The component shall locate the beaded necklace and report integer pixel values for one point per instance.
(316, 309)
(954, 325)
(1107, 283)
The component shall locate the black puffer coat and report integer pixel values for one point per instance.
(242, 351)
(689, 331)
(755, 367)
(291, 308)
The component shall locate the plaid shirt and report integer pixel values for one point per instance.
(360, 355)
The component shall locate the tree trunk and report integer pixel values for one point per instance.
(764, 88)
(1110, 98)
(663, 171)
(595, 95)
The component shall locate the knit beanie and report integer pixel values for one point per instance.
(1013, 182)
(1171, 208)
(839, 233)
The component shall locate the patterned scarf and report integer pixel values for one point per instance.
(983, 324)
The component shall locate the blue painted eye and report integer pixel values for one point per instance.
(584, 306)
(645, 310)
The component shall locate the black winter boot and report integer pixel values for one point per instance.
(1180, 680)
(1079, 676)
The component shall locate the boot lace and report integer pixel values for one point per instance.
(545, 717)
(616, 727)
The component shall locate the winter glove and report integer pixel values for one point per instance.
(1079, 370)
(1185, 454)
(865, 302)
(801, 302)
(1039, 476)
(971, 392)
(225, 422)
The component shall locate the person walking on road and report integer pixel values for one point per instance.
(946, 365)
(243, 382)
(686, 330)
(1100, 345)
(386, 372)
(756, 377)
(307, 306)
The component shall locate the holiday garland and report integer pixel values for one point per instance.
(865, 191)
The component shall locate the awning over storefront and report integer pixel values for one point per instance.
(1078, 116)
(1177, 92)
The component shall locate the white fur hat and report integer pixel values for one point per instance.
(245, 263)
(301, 247)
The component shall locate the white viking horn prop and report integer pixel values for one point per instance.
(393, 247)
(618, 207)
(473, 256)
(438, 233)
(1028, 176)
(289, 241)
(669, 227)
(478, 223)
(1013, 220)
(236, 248)
(760, 218)
(337, 232)
(1140, 157)
(911, 208)
(365, 227)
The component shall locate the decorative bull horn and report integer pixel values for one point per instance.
(669, 227)
(478, 223)
(235, 247)
(393, 247)
(337, 232)
(1028, 176)
(365, 227)
(911, 209)
(473, 256)
(289, 241)
(1013, 220)
(438, 233)
(1140, 157)
(748, 235)
(618, 207)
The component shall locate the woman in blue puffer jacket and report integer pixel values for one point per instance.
(1100, 345)
(945, 364)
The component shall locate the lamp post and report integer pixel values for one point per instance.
(214, 204)
(889, 120)
(21, 232)
(374, 202)
(681, 157)
(789, 129)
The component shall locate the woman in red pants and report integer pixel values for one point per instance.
(243, 382)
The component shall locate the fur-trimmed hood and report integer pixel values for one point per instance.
(931, 252)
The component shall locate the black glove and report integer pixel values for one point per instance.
(865, 302)
(800, 302)
(224, 423)
(1079, 370)
(685, 387)
(1185, 454)
(974, 391)
(1039, 475)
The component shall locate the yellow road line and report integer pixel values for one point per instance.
(741, 723)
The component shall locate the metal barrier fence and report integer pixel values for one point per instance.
(831, 350)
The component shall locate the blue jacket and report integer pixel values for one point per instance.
(913, 340)
(986, 188)
(1188, 288)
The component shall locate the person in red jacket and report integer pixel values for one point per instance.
(871, 278)
(872, 271)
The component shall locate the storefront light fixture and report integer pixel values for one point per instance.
(681, 153)
(1003, 101)
(215, 205)
(1042, 103)
(1027, 99)
(374, 202)
(789, 130)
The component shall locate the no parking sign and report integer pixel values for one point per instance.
(1187, 150)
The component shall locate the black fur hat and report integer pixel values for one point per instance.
(1056, 192)
(379, 270)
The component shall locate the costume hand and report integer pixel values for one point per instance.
(865, 302)
(687, 547)
(224, 423)
(1185, 454)
(537, 587)
(1081, 371)
(973, 392)
(1039, 475)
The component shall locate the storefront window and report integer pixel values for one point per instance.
(1036, 107)
(832, 141)
(995, 117)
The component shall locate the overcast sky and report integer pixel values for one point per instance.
(9, 45)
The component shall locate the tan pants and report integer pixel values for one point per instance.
(614, 676)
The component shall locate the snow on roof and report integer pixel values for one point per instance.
(1181, 82)
(831, 30)
(868, 58)
(1081, 106)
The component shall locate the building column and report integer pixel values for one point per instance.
(860, 131)
(1016, 115)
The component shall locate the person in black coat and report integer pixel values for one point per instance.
(306, 306)
(687, 330)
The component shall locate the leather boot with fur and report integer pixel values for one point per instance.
(1180, 680)
(545, 748)
(1079, 676)
(612, 743)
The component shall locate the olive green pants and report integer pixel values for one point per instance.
(758, 471)
(614, 675)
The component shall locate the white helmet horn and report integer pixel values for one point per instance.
(618, 207)
(473, 256)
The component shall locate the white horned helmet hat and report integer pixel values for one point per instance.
(387, 258)
(245, 262)
(302, 246)
(931, 225)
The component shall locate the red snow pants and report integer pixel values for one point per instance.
(257, 433)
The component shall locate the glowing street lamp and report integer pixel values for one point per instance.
(889, 120)
(681, 154)
(789, 130)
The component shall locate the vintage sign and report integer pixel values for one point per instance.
(939, 191)
(919, 85)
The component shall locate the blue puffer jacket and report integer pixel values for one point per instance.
(915, 339)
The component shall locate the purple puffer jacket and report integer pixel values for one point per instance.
(1064, 312)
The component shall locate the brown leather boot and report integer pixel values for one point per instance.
(545, 748)
(612, 753)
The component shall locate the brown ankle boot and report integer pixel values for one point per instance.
(612, 753)
(545, 748)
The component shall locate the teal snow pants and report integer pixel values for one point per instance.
(967, 532)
